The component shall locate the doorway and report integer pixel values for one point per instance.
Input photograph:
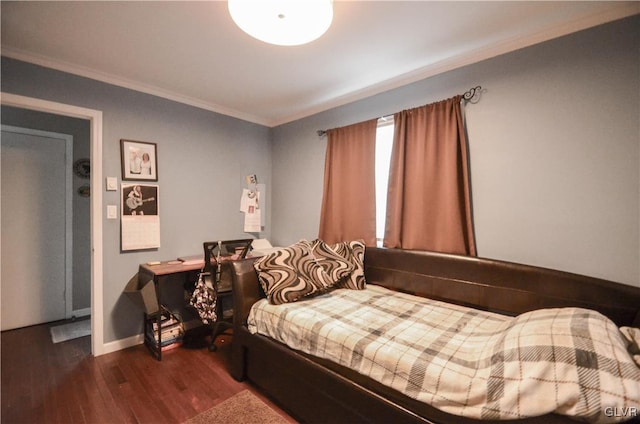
(95, 122)
(36, 227)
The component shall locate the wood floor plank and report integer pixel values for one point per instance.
(102, 390)
(43, 382)
(155, 379)
(92, 402)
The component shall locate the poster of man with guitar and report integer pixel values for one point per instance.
(138, 199)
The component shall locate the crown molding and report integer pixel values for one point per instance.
(93, 74)
(617, 11)
(483, 53)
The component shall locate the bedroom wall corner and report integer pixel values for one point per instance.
(555, 153)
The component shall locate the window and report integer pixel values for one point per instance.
(384, 143)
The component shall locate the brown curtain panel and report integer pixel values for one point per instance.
(428, 203)
(349, 196)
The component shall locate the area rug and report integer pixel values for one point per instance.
(241, 408)
(72, 330)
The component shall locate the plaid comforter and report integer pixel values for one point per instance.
(463, 361)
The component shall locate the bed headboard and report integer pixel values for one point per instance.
(497, 285)
(487, 284)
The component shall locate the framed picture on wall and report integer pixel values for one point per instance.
(139, 160)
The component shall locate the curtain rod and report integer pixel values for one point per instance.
(472, 95)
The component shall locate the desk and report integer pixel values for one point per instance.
(171, 279)
(169, 268)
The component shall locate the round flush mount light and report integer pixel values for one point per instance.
(282, 22)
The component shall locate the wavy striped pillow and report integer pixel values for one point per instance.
(353, 252)
(289, 274)
(333, 263)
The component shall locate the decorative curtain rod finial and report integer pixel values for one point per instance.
(473, 95)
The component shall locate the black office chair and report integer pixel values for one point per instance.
(216, 268)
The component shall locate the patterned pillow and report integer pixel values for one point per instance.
(352, 251)
(289, 274)
(334, 264)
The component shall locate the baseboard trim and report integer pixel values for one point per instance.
(122, 344)
(81, 312)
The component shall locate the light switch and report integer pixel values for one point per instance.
(112, 211)
(112, 184)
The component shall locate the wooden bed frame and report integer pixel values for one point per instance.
(315, 390)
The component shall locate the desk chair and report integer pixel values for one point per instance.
(216, 256)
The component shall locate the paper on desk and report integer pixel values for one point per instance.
(260, 244)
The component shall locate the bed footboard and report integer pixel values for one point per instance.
(246, 292)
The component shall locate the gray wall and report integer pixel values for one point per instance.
(554, 142)
(79, 129)
(555, 153)
(202, 160)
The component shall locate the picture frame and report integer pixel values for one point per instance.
(139, 160)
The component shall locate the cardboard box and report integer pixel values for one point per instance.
(143, 294)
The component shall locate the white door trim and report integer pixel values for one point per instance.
(95, 122)
(68, 206)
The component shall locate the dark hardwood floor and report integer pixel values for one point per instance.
(44, 382)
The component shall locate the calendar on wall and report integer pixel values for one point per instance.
(140, 212)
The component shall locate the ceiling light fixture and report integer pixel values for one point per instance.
(283, 22)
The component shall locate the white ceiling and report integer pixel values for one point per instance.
(192, 52)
